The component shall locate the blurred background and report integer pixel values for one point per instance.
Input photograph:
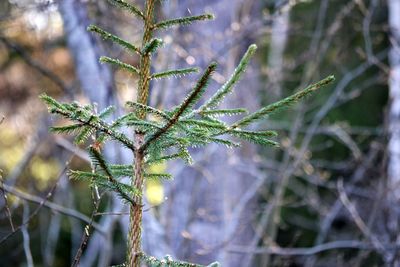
(329, 196)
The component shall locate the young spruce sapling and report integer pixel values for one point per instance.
(171, 134)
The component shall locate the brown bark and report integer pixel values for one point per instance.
(135, 225)
(136, 211)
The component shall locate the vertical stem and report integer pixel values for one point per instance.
(135, 225)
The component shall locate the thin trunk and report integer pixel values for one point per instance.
(136, 211)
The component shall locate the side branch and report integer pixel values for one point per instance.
(109, 36)
(286, 102)
(103, 165)
(131, 8)
(120, 64)
(50, 205)
(174, 73)
(182, 21)
(228, 86)
(190, 100)
(100, 126)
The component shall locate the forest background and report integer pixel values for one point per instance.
(329, 196)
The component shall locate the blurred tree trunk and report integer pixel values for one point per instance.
(279, 36)
(394, 120)
(97, 83)
(95, 79)
(200, 216)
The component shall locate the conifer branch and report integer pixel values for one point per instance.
(67, 111)
(103, 165)
(164, 158)
(161, 114)
(221, 141)
(198, 91)
(174, 73)
(168, 261)
(189, 101)
(109, 36)
(253, 133)
(84, 134)
(152, 46)
(222, 112)
(211, 125)
(121, 170)
(286, 102)
(228, 86)
(144, 126)
(68, 129)
(129, 7)
(119, 64)
(106, 112)
(102, 181)
(259, 138)
(182, 21)
(158, 176)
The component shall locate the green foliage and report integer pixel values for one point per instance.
(228, 86)
(284, 103)
(222, 112)
(182, 21)
(152, 46)
(120, 64)
(179, 129)
(158, 176)
(174, 73)
(84, 117)
(109, 36)
(101, 181)
(148, 109)
(167, 261)
(129, 7)
(112, 184)
(168, 134)
(198, 91)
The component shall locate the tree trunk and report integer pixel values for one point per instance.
(279, 36)
(394, 122)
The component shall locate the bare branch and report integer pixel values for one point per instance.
(357, 218)
(26, 238)
(50, 205)
(36, 65)
(86, 234)
(335, 245)
(36, 211)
